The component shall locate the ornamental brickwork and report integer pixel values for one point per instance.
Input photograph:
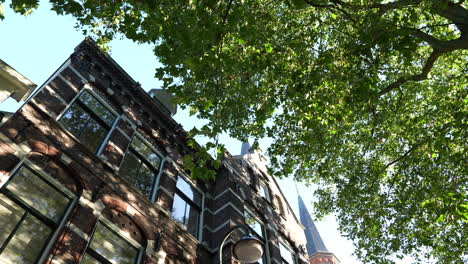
(91, 171)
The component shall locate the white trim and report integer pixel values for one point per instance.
(67, 193)
(106, 139)
(83, 79)
(78, 231)
(123, 132)
(161, 255)
(52, 77)
(68, 83)
(149, 250)
(90, 89)
(275, 260)
(227, 190)
(42, 107)
(229, 221)
(55, 94)
(97, 207)
(166, 191)
(49, 178)
(223, 207)
(157, 182)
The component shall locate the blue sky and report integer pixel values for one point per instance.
(38, 44)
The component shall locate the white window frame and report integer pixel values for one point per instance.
(264, 188)
(124, 235)
(265, 233)
(286, 245)
(52, 181)
(109, 107)
(202, 206)
(161, 165)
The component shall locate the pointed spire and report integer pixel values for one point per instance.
(314, 240)
(245, 148)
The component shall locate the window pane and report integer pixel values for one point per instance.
(146, 152)
(286, 255)
(113, 247)
(97, 107)
(137, 173)
(93, 135)
(188, 190)
(130, 167)
(264, 192)
(145, 179)
(186, 215)
(27, 243)
(31, 189)
(75, 119)
(254, 224)
(81, 123)
(179, 208)
(192, 220)
(10, 214)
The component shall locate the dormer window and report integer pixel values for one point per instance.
(89, 120)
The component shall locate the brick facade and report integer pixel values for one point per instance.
(99, 193)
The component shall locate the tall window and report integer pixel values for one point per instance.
(31, 209)
(140, 166)
(108, 247)
(264, 191)
(187, 206)
(287, 255)
(89, 120)
(257, 230)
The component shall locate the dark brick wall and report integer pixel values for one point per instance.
(95, 180)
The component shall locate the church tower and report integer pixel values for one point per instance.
(318, 252)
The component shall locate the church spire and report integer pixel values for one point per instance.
(314, 240)
(245, 148)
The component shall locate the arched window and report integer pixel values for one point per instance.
(279, 203)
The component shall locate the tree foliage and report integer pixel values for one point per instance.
(368, 99)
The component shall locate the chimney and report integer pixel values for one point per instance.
(163, 100)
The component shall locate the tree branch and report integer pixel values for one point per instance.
(402, 156)
(454, 12)
(415, 77)
(227, 11)
(383, 7)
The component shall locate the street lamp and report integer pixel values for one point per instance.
(248, 249)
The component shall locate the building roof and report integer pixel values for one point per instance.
(314, 240)
(22, 86)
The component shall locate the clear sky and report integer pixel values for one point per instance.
(38, 44)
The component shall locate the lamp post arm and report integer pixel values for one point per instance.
(246, 228)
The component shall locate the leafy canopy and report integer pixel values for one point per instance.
(368, 99)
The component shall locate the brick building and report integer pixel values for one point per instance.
(91, 171)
